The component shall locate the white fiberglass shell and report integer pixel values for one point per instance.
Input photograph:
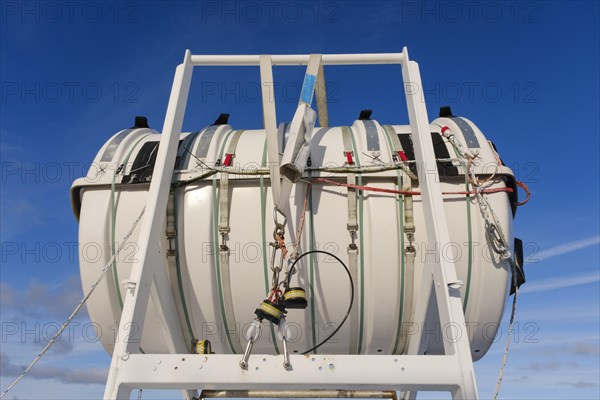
(110, 198)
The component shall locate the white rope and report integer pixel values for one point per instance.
(491, 219)
(510, 329)
(78, 308)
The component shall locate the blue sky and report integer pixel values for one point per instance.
(527, 73)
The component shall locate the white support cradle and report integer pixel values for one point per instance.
(410, 373)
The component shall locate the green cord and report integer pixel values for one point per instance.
(113, 206)
(361, 249)
(469, 230)
(311, 257)
(399, 201)
(470, 240)
(216, 241)
(177, 263)
(263, 214)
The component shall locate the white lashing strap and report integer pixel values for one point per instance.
(322, 98)
(224, 189)
(171, 233)
(224, 230)
(398, 151)
(352, 227)
(297, 149)
(270, 122)
(410, 254)
(407, 176)
(409, 231)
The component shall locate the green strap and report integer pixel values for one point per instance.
(469, 231)
(113, 206)
(361, 252)
(311, 228)
(234, 141)
(220, 287)
(178, 267)
(263, 216)
(352, 227)
(392, 146)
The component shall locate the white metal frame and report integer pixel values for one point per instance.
(179, 370)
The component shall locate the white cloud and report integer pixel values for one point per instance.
(40, 300)
(579, 384)
(561, 282)
(581, 348)
(567, 248)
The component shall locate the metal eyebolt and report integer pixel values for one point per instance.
(252, 335)
(286, 355)
(246, 357)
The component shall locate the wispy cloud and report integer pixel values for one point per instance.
(579, 384)
(567, 248)
(85, 376)
(40, 300)
(561, 282)
(580, 348)
(550, 366)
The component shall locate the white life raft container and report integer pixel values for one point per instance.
(216, 297)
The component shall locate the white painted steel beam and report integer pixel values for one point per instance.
(135, 301)
(443, 269)
(298, 59)
(221, 372)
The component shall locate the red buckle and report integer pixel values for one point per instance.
(349, 158)
(228, 158)
(402, 155)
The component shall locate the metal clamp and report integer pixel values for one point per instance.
(224, 231)
(352, 229)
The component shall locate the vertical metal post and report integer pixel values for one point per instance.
(321, 94)
(270, 123)
(443, 270)
(149, 254)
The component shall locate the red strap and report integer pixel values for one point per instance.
(228, 158)
(402, 155)
(349, 158)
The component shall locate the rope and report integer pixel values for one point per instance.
(78, 308)
(510, 329)
(407, 192)
(527, 193)
(496, 236)
(294, 254)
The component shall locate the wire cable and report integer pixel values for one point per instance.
(289, 278)
(78, 308)
(510, 329)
